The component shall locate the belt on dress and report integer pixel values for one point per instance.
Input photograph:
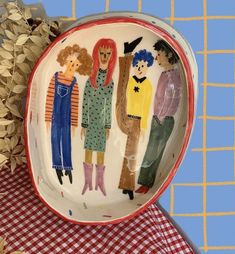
(134, 117)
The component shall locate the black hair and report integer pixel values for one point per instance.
(163, 46)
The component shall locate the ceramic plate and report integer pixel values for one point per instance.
(109, 114)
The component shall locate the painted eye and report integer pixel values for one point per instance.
(108, 53)
(71, 61)
(101, 53)
(158, 54)
(142, 66)
(136, 66)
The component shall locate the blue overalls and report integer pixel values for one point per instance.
(61, 126)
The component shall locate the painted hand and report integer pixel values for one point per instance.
(161, 119)
(73, 130)
(107, 133)
(83, 133)
(142, 134)
(48, 126)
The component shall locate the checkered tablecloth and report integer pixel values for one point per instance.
(30, 227)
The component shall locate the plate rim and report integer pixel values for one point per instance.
(190, 102)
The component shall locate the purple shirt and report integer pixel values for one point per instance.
(168, 94)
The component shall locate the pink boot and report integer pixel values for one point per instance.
(100, 178)
(88, 169)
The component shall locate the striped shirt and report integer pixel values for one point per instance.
(74, 98)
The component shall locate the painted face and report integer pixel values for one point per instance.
(162, 59)
(104, 56)
(73, 63)
(141, 69)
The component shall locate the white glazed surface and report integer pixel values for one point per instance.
(93, 207)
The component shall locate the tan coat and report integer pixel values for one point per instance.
(129, 126)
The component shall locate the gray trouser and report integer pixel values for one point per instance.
(158, 138)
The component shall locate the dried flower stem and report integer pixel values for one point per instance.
(23, 39)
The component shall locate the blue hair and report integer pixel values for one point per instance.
(144, 55)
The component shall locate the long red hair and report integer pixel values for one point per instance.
(107, 43)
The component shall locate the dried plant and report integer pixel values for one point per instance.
(22, 39)
(3, 249)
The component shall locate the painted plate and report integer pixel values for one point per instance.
(109, 114)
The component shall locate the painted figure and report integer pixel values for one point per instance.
(97, 111)
(61, 110)
(166, 103)
(134, 96)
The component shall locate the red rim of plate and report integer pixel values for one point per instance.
(166, 36)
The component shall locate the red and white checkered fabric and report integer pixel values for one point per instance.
(30, 227)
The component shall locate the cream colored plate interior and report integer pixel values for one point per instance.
(66, 199)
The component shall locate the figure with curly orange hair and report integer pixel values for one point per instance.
(61, 111)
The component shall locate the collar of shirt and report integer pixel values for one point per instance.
(102, 71)
(173, 69)
(139, 80)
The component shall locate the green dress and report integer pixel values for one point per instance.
(97, 112)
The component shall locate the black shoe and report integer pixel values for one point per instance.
(130, 193)
(129, 47)
(69, 174)
(59, 175)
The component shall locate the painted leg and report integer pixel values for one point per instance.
(127, 179)
(100, 158)
(88, 156)
(154, 167)
(88, 169)
(99, 181)
(59, 174)
(168, 125)
(70, 176)
(151, 155)
(151, 160)
(66, 152)
(100, 178)
(124, 75)
(56, 151)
